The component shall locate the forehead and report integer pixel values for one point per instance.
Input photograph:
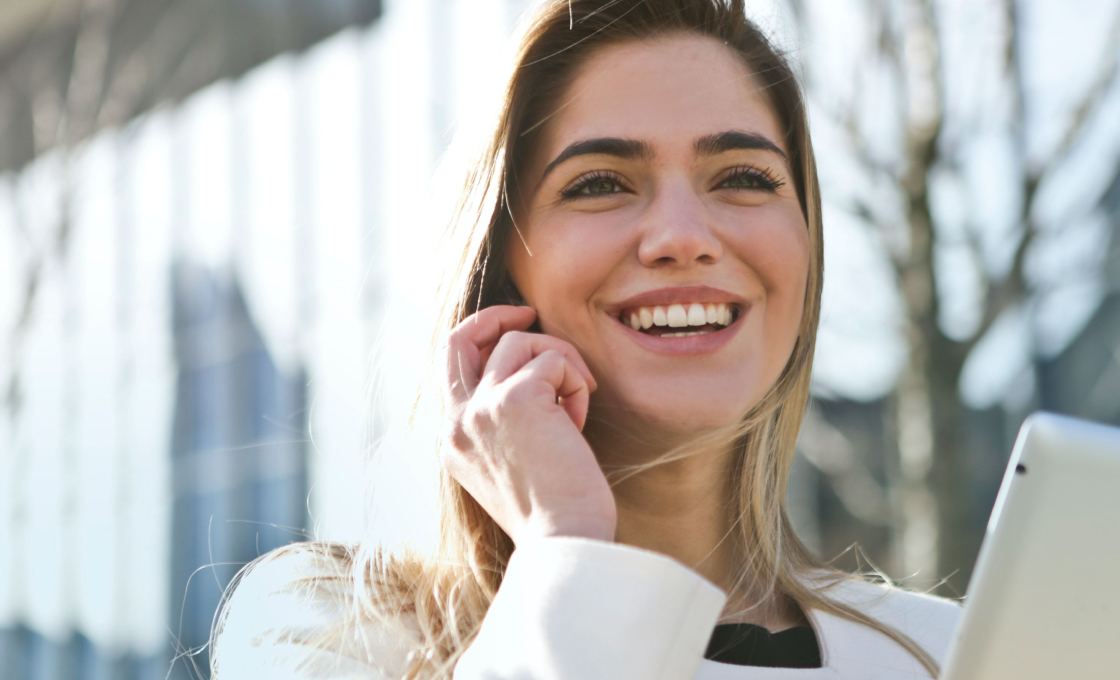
(668, 91)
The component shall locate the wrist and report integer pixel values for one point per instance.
(595, 528)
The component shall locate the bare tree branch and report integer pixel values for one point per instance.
(1011, 290)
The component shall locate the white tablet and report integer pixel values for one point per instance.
(1044, 600)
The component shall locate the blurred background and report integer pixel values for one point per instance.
(217, 220)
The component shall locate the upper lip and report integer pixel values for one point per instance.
(676, 295)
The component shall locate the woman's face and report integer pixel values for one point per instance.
(661, 197)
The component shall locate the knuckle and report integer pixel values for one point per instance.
(507, 399)
(552, 356)
(552, 361)
(477, 420)
(517, 392)
(512, 338)
(508, 396)
(457, 436)
(449, 338)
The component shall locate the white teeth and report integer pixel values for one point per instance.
(696, 315)
(679, 316)
(684, 334)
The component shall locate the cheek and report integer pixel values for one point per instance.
(776, 247)
(777, 250)
(570, 259)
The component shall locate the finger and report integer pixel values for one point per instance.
(486, 327)
(515, 349)
(485, 353)
(469, 345)
(567, 381)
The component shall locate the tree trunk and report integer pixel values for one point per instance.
(928, 413)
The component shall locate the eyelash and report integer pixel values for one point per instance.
(763, 177)
(576, 190)
(766, 179)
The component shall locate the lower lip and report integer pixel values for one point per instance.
(692, 344)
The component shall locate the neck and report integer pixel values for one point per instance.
(680, 509)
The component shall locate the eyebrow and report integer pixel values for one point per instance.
(633, 149)
(713, 145)
(628, 149)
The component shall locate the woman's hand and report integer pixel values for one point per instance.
(516, 403)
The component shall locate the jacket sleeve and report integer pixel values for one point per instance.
(580, 609)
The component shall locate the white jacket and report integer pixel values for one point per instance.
(568, 609)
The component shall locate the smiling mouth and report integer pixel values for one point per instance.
(680, 320)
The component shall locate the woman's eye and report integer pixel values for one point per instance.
(743, 181)
(600, 186)
(751, 179)
(597, 185)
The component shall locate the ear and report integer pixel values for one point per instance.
(508, 294)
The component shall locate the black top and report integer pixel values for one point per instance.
(745, 644)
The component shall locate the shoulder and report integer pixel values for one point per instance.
(293, 613)
(927, 619)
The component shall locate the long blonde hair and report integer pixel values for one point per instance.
(445, 596)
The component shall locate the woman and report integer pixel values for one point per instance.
(625, 371)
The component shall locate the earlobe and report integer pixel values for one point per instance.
(510, 295)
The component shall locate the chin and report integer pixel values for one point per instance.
(692, 417)
(671, 410)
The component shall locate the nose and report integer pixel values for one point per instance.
(677, 230)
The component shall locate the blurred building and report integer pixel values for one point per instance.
(151, 441)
